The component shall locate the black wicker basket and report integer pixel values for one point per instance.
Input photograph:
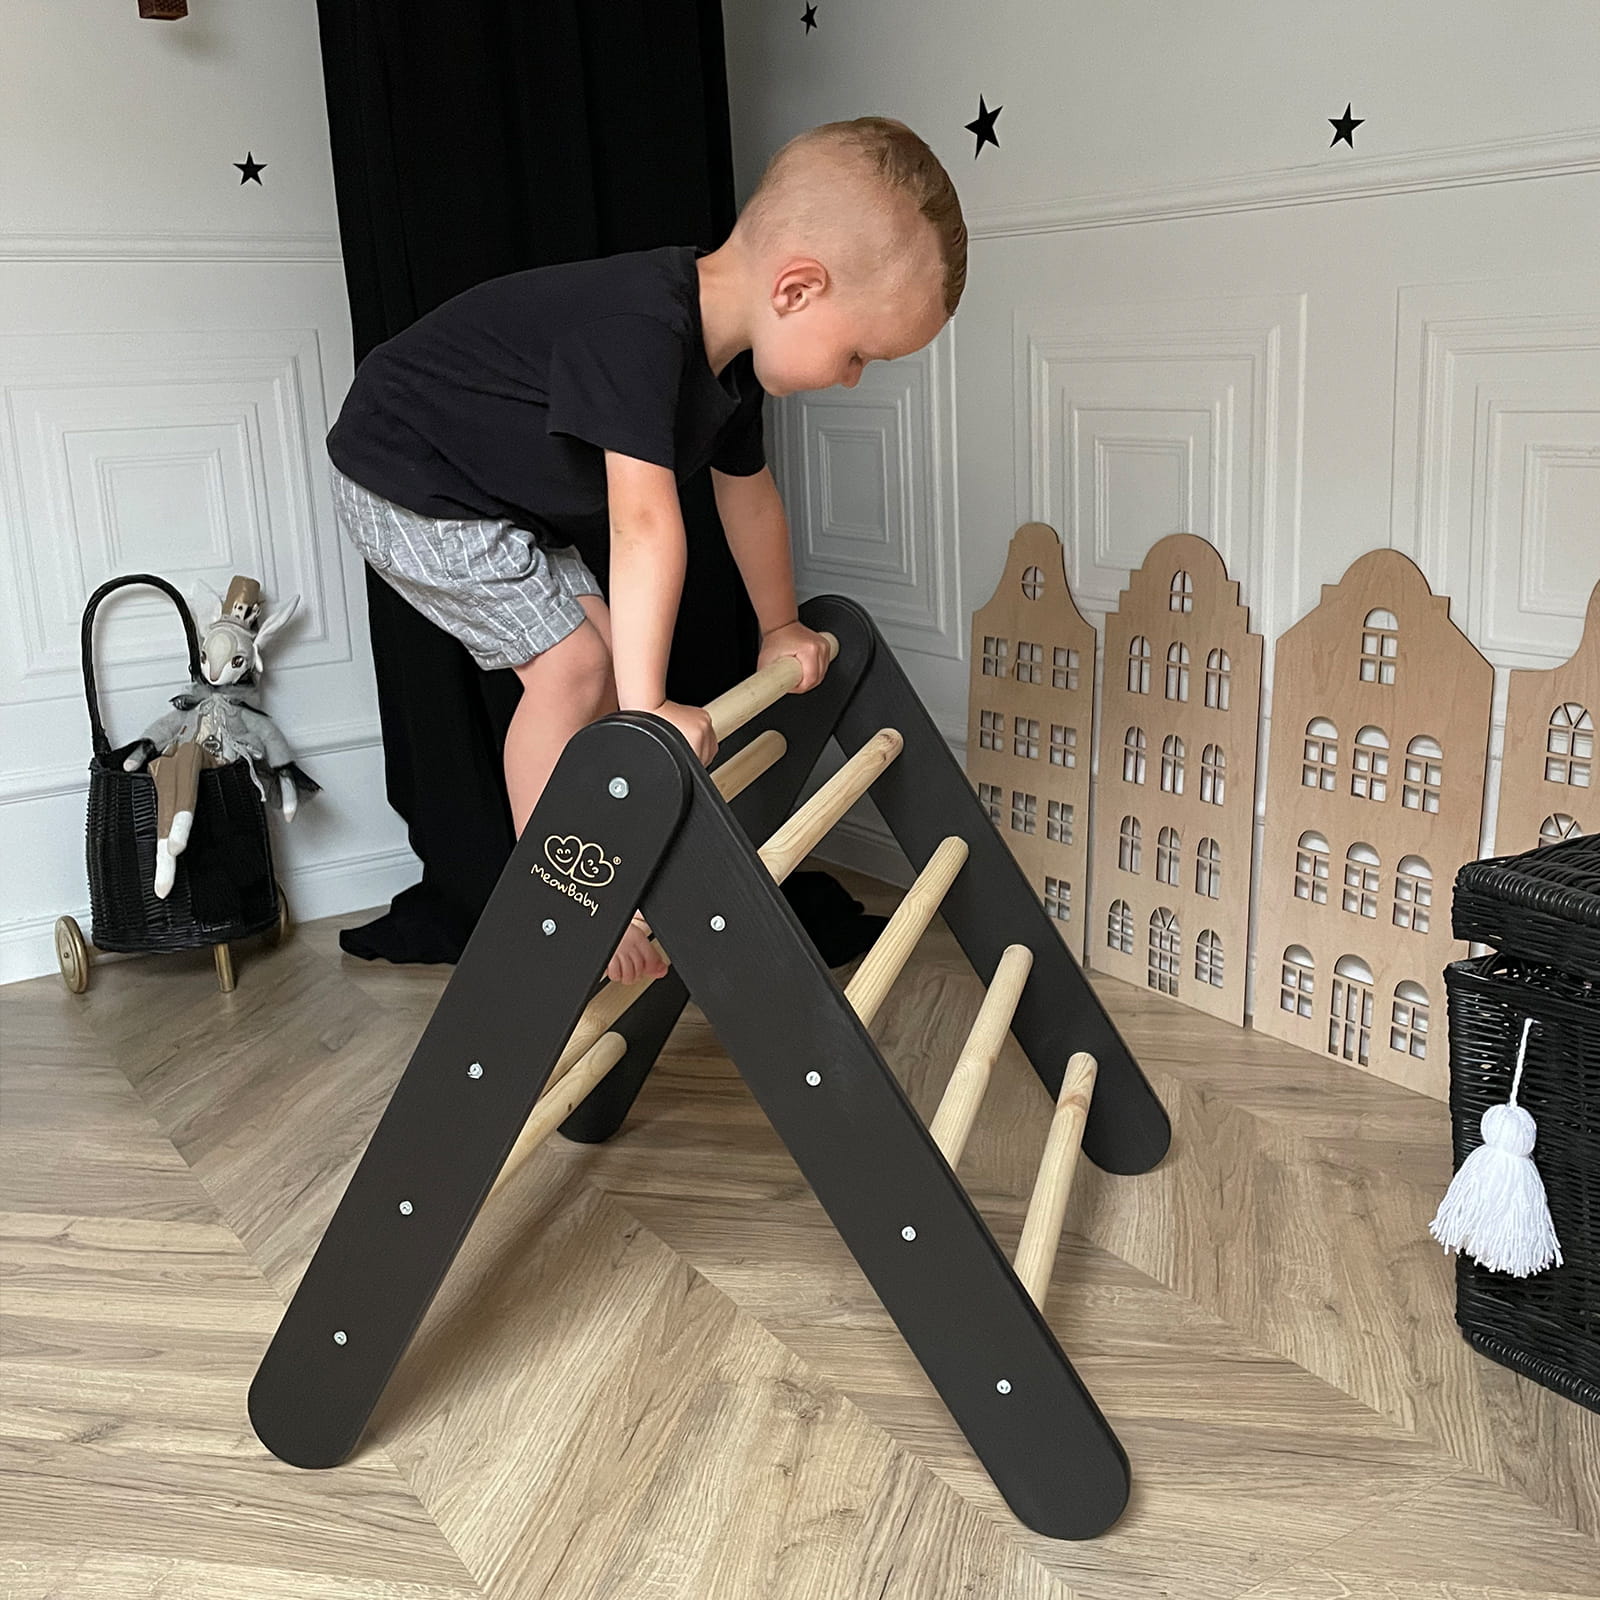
(224, 889)
(1547, 1325)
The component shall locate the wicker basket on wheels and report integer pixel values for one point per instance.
(225, 888)
(1541, 912)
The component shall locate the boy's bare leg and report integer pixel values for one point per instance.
(564, 689)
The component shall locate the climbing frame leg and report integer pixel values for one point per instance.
(924, 798)
(860, 1144)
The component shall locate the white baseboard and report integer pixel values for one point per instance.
(319, 889)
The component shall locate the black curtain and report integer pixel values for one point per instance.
(473, 138)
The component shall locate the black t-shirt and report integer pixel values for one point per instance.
(501, 401)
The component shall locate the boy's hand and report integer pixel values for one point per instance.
(808, 648)
(694, 723)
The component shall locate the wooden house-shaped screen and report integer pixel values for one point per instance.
(1030, 723)
(1549, 780)
(1175, 797)
(1380, 727)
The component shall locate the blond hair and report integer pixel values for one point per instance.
(860, 191)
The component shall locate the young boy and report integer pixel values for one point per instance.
(488, 457)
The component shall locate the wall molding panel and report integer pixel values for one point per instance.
(173, 246)
(1497, 454)
(184, 453)
(868, 477)
(1136, 421)
(1448, 167)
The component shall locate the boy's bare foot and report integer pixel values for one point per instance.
(635, 958)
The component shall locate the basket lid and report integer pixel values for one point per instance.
(1543, 904)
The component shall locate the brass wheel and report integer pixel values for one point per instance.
(72, 951)
(276, 935)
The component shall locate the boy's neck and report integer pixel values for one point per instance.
(724, 308)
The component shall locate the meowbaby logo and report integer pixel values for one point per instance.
(578, 863)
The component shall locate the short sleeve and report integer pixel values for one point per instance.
(742, 452)
(614, 382)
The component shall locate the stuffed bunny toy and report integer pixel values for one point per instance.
(212, 723)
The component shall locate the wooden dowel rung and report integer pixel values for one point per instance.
(814, 818)
(796, 839)
(1041, 1230)
(963, 1095)
(732, 709)
(559, 1101)
(882, 964)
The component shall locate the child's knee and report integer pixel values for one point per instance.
(578, 671)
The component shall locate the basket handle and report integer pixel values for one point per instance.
(102, 745)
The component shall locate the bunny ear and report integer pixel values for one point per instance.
(278, 618)
(197, 601)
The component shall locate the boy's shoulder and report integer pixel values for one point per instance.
(659, 283)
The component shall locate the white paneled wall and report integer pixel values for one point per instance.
(1186, 313)
(172, 345)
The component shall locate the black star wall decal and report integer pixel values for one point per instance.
(810, 18)
(251, 168)
(1344, 127)
(984, 127)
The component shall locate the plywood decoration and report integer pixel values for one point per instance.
(1380, 731)
(1549, 780)
(1030, 722)
(1175, 798)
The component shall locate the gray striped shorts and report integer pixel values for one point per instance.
(485, 581)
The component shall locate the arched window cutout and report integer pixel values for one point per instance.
(1129, 844)
(1408, 1020)
(1165, 941)
(1319, 766)
(1139, 665)
(1119, 927)
(1297, 988)
(1180, 597)
(1219, 671)
(1312, 869)
(1380, 647)
(1369, 765)
(1169, 853)
(1133, 749)
(1172, 764)
(1350, 1011)
(1178, 671)
(1208, 869)
(1208, 958)
(1033, 583)
(1361, 867)
(1569, 746)
(1424, 774)
(1413, 894)
(1558, 827)
(1213, 775)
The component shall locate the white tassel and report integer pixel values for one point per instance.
(1495, 1208)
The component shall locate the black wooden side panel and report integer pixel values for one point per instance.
(924, 797)
(508, 1010)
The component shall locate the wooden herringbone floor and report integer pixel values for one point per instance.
(656, 1371)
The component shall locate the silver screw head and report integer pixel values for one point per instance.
(908, 1233)
(1004, 1386)
(339, 1337)
(549, 924)
(405, 1208)
(618, 788)
(813, 1078)
(475, 1070)
(718, 924)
